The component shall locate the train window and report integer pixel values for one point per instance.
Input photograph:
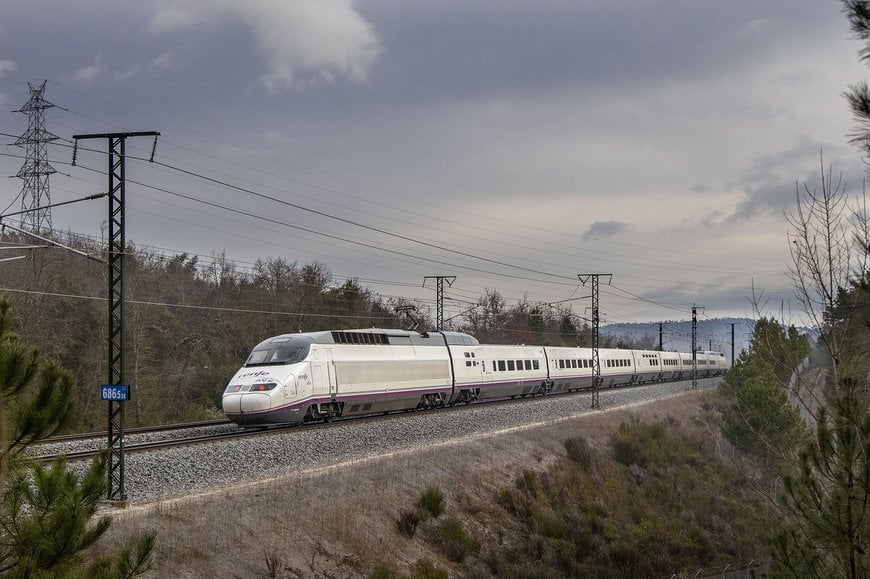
(501, 366)
(528, 364)
(561, 363)
(535, 365)
(468, 363)
(493, 366)
(468, 354)
(272, 354)
(519, 365)
(511, 365)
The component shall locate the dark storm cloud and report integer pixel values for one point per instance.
(770, 188)
(457, 48)
(605, 229)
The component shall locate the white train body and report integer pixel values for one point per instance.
(294, 378)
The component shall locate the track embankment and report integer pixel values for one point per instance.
(325, 504)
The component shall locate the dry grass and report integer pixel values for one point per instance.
(341, 521)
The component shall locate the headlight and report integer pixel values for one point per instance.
(263, 387)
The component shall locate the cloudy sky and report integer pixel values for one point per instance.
(513, 144)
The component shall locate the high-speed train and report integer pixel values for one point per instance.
(295, 378)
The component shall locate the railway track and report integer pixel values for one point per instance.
(242, 433)
(160, 444)
(138, 430)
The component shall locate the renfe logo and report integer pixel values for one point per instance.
(254, 374)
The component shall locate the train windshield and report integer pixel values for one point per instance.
(278, 351)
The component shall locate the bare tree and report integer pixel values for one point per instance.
(824, 257)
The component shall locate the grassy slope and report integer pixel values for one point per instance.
(341, 521)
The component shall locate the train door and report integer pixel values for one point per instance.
(330, 372)
(481, 361)
(478, 363)
(290, 388)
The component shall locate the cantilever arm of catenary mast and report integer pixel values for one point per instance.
(50, 242)
(88, 198)
(54, 243)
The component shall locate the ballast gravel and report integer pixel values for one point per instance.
(182, 471)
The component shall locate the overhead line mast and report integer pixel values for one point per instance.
(116, 250)
(596, 360)
(439, 293)
(695, 309)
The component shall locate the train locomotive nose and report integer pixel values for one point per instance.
(255, 399)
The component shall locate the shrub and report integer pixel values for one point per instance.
(455, 541)
(432, 501)
(382, 572)
(637, 443)
(549, 523)
(578, 450)
(426, 569)
(274, 564)
(407, 522)
(528, 482)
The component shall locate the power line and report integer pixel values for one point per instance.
(195, 307)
